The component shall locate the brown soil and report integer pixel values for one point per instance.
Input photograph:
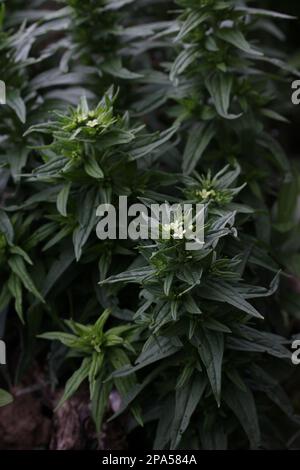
(30, 422)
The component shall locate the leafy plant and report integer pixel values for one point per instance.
(117, 98)
(102, 353)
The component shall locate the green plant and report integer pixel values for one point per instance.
(102, 352)
(109, 99)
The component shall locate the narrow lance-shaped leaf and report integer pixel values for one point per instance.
(193, 21)
(219, 87)
(6, 227)
(187, 399)
(62, 199)
(16, 103)
(243, 406)
(147, 149)
(262, 12)
(211, 349)
(125, 385)
(222, 291)
(15, 287)
(199, 139)
(17, 265)
(100, 400)
(75, 381)
(162, 348)
(237, 39)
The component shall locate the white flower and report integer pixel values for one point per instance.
(92, 123)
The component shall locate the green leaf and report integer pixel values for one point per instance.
(198, 140)
(211, 349)
(99, 325)
(16, 103)
(160, 349)
(213, 437)
(5, 398)
(18, 267)
(114, 67)
(57, 269)
(168, 283)
(147, 149)
(193, 21)
(125, 385)
(288, 199)
(166, 417)
(135, 275)
(16, 250)
(270, 113)
(191, 306)
(93, 168)
(75, 381)
(259, 342)
(222, 291)
(67, 339)
(135, 391)
(62, 200)
(264, 382)
(15, 288)
(237, 39)
(100, 400)
(213, 324)
(187, 399)
(63, 233)
(5, 297)
(277, 152)
(243, 406)
(96, 364)
(6, 227)
(116, 4)
(262, 12)
(87, 207)
(185, 375)
(174, 309)
(219, 87)
(183, 61)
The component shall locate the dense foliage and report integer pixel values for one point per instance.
(191, 104)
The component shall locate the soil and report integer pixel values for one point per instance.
(31, 422)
